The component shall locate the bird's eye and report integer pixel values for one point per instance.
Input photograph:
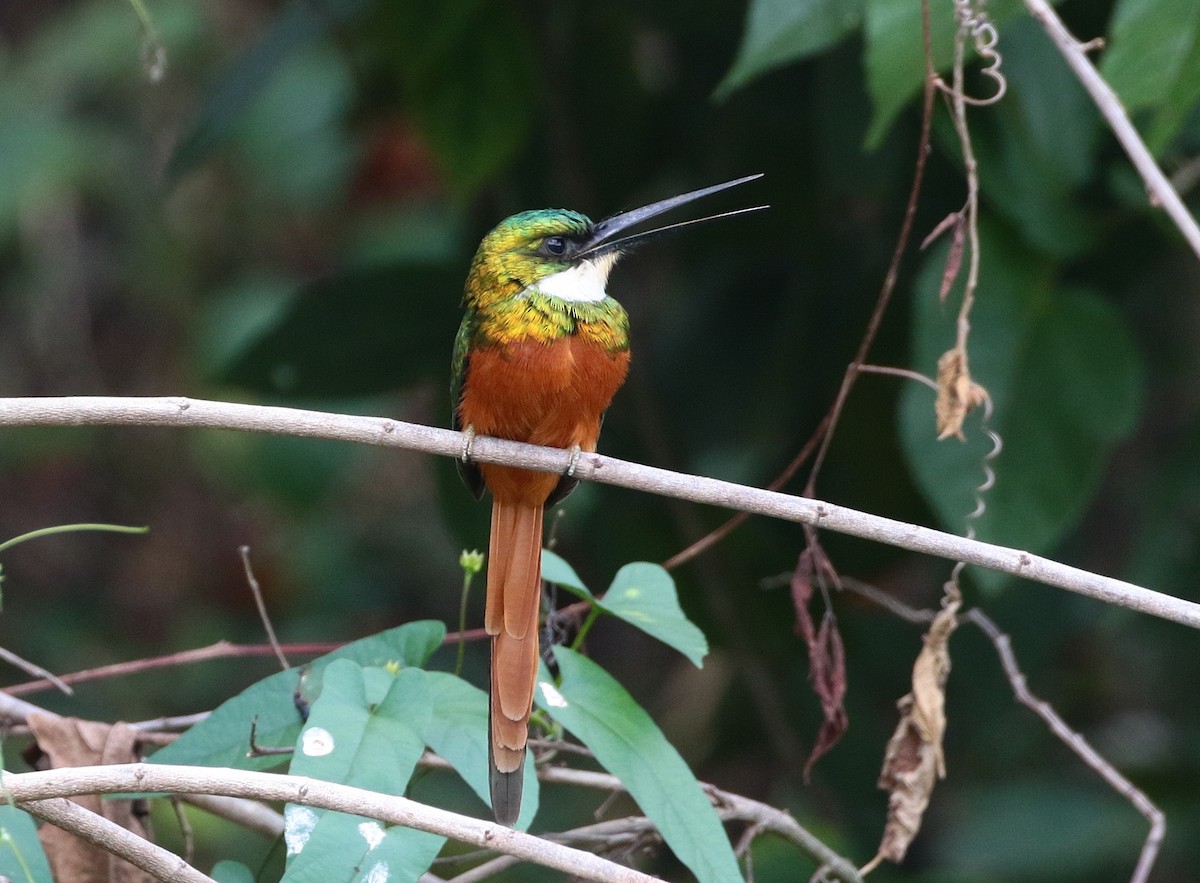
(555, 245)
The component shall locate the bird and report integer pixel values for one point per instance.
(541, 351)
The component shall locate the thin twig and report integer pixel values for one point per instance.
(250, 814)
(892, 276)
(179, 412)
(768, 818)
(219, 650)
(1106, 100)
(256, 591)
(155, 778)
(35, 670)
(1077, 743)
(99, 831)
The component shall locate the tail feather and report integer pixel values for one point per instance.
(513, 596)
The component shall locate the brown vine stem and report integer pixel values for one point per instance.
(197, 413)
(26, 789)
(219, 650)
(1157, 185)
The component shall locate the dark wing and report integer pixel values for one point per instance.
(459, 367)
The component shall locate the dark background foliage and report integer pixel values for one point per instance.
(286, 216)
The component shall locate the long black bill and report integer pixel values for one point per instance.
(603, 233)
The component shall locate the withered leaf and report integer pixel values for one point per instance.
(69, 742)
(954, 257)
(913, 760)
(826, 653)
(957, 394)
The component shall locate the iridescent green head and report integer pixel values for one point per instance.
(523, 250)
(562, 254)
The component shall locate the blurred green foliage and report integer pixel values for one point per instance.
(286, 215)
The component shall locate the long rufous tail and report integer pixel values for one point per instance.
(514, 590)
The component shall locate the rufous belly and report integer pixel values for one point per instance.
(551, 393)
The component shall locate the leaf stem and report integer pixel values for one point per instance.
(68, 528)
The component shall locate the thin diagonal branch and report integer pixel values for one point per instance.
(1161, 191)
(1077, 743)
(99, 831)
(196, 413)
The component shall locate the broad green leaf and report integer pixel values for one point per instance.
(602, 715)
(386, 311)
(1149, 44)
(469, 74)
(232, 872)
(1038, 147)
(351, 739)
(457, 730)
(1065, 380)
(895, 54)
(782, 31)
(1179, 106)
(556, 570)
(298, 23)
(22, 859)
(331, 847)
(644, 595)
(222, 739)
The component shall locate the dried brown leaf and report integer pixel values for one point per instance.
(953, 259)
(952, 219)
(69, 742)
(913, 760)
(957, 394)
(826, 653)
(958, 222)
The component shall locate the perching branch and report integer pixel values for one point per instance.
(26, 789)
(198, 413)
(1161, 191)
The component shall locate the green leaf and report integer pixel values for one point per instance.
(1149, 43)
(333, 847)
(297, 24)
(353, 740)
(232, 872)
(1179, 106)
(457, 730)
(401, 335)
(644, 595)
(601, 714)
(1065, 381)
(469, 73)
(556, 570)
(222, 739)
(22, 859)
(782, 31)
(1038, 147)
(895, 54)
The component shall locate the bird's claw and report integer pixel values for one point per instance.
(468, 441)
(574, 461)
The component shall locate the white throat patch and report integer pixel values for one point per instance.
(584, 281)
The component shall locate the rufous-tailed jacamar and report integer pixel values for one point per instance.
(540, 353)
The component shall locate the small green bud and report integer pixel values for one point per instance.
(471, 562)
(392, 667)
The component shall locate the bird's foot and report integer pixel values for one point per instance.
(468, 442)
(574, 461)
